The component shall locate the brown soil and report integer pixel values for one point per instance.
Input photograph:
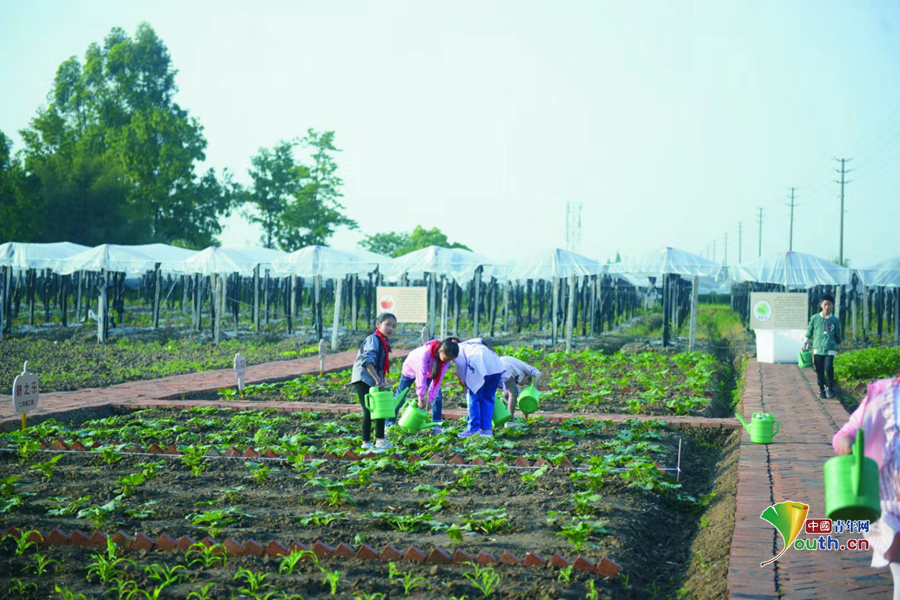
(691, 556)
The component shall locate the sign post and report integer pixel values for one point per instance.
(25, 393)
(321, 357)
(779, 320)
(240, 369)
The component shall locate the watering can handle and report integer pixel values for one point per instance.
(859, 455)
(367, 402)
(777, 428)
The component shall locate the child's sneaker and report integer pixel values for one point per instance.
(829, 393)
(467, 433)
(486, 433)
(436, 430)
(822, 394)
(366, 446)
(382, 445)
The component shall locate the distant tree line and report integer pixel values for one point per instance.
(112, 158)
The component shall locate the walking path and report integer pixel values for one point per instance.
(789, 469)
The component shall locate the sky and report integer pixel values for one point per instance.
(671, 123)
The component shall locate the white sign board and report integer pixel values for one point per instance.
(408, 304)
(25, 392)
(778, 310)
(240, 369)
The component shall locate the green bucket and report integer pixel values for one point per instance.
(851, 485)
(529, 399)
(381, 404)
(501, 414)
(804, 359)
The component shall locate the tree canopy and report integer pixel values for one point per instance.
(296, 204)
(396, 244)
(113, 158)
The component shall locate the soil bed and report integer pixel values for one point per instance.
(626, 502)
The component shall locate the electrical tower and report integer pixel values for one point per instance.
(573, 225)
(843, 182)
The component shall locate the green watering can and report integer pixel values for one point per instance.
(528, 400)
(381, 404)
(804, 359)
(851, 485)
(501, 414)
(414, 419)
(762, 427)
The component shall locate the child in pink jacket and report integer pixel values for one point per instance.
(425, 366)
(877, 416)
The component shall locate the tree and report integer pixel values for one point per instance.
(397, 244)
(113, 145)
(296, 205)
(15, 217)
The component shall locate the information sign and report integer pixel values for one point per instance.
(240, 369)
(770, 310)
(25, 391)
(408, 304)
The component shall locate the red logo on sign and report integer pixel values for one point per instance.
(817, 526)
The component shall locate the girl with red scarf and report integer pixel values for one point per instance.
(426, 367)
(370, 369)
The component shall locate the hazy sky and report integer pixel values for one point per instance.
(671, 122)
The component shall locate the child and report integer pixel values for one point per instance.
(877, 417)
(426, 367)
(370, 369)
(825, 332)
(480, 371)
(518, 374)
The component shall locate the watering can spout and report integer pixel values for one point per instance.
(743, 422)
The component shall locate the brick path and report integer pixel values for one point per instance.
(791, 469)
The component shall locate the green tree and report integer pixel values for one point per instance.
(16, 219)
(113, 147)
(297, 205)
(397, 244)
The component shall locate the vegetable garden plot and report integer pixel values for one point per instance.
(614, 505)
(588, 381)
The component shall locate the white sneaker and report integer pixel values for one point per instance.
(366, 446)
(382, 445)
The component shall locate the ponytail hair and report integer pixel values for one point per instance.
(450, 346)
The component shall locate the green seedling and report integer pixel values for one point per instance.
(321, 518)
(335, 492)
(289, 562)
(584, 502)
(255, 581)
(41, 564)
(150, 595)
(208, 556)
(488, 521)
(46, 468)
(331, 579)
(530, 479)
(202, 593)
(128, 483)
(593, 592)
(150, 469)
(194, 458)
(68, 594)
(372, 596)
(216, 520)
(21, 588)
(25, 540)
(455, 534)
(483, 578)
(26, 448)
(577, 532)
(125, 588)
(411, 582)
(110, 454)
(407, 523)
(99, 516)
(469, 475)
(108, 567)
(68, 510)
(259, 472)
(144, 511)
(565, 574)
(166, 575)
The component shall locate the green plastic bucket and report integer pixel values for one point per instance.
(804, 359)
(851, 485)
(529, 399)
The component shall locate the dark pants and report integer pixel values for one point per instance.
(362, 388)
(824, 370)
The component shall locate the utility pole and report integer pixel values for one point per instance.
(759, 253)
(740, 243)
(791, 239)
(843, 182)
